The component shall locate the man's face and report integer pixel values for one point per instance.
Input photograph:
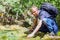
(35, 11)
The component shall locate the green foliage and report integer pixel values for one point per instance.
(58, 33)
(20, 6)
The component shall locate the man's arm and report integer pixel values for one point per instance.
(36, 29)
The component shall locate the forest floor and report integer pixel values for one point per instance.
(16, 32)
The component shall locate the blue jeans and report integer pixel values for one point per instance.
(50, 26)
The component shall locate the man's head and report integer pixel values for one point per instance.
(34, 11)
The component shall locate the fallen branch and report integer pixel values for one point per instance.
(47, 37)
(55, 37)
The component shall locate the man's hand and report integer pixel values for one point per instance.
(30, 35)
(36, 29)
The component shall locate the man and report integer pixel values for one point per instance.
(46, 22)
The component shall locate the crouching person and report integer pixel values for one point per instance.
(46, 16)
